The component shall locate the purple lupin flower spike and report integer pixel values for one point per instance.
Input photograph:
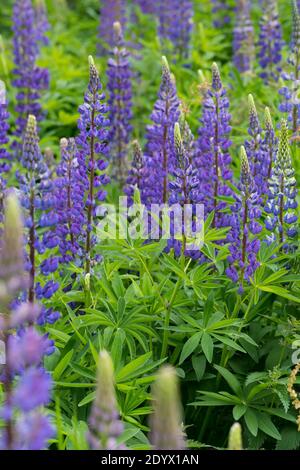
(146, 6)
(69, 193)
(29, 79)
(136, 173)
(270, 142)
(166, 421)
(26, 385)
(181, 27)
(111, 11)
(42, 25)
(183, 189)
(221, 12)
(212, 153)
(5, 157)
(92, 144)
(164, 13)
(120, 105)
(244, 244)
(281, 205)
(290, 105)
(39, 203)
(159, 155)
(258, 158)
(243, 38)
(270, 42)
(105, 425)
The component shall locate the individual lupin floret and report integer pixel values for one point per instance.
(92, 144)
(235, 437)
(242, 238)
(110, 12)
(290, 105)
(212, 153)
(281, 204)
(29, 79)
(39, 203)
(166, 421)
(159, 155)
(120, 105)
(136, 172)
(258, 158)
(105, 425)
(243, 38)
(270, 41)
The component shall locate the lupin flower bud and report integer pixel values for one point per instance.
(235, 437)
(244, 244)
(212, 154)
(104, 422)
(120, 104)
(281, 204)
(159, 155)
(166, 420)
(12, 278)
(243, 38)
(136, 172)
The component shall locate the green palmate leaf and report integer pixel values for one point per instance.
(232, 381)
(280, 291)
(190, 346)
(207, 346)
(251, 421)
(266, 425)
(199, 365)
(130, 369)
(238, 411)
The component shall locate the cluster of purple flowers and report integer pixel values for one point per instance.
(42, 25)
(281, 204)
(221, 11)
(69, 195)
(26, 384)
(244, 244)
(160, 151)
(212, 152)
(92, 144)
(135, 177)
(38, 201)
(290, 104)
(5, 157)
(111, 11)
(176, 23)
(243, 37)
(120, 104)
(270, 41)
(29, 79)
(146, 6)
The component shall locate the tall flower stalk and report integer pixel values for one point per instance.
(281, 205)
(290, 104)
(111, 11)
(243, 38)
(244, 244)
(38, 201)
(92, 145)
(41, 21)
(270, 142)
(160, 152)
(120, 104)
(212, 153)
(136, 173)
(258, 158)
(270, 42)
(26, 384)
(29, 79)
(5, 156)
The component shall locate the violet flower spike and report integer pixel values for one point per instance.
(136, 173)
(111, 11)
(120, 104)
(243, 38)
